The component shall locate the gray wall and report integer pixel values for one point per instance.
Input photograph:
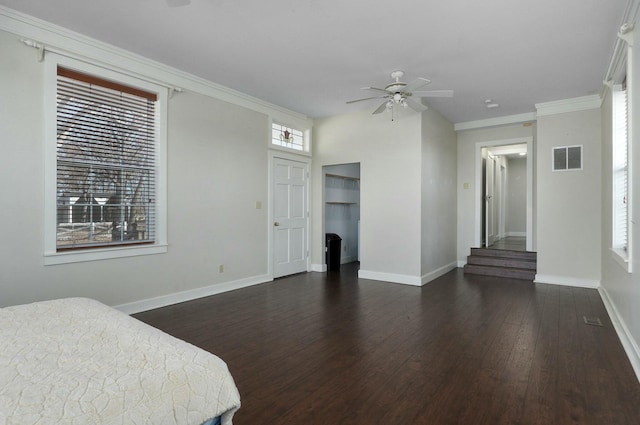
(516, 197)
(439, 210)
(389, 157)
(407, 194)
(217, 171)
(569, 202)
(620, 288)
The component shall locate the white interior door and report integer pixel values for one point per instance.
(489, 226)
(290, 217)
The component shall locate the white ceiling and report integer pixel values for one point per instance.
(311, 56)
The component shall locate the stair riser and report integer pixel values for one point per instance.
(500, 262)
(500, 272)
(487, 252)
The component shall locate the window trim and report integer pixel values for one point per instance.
(51, 255)
(306, 151)
(622, 257)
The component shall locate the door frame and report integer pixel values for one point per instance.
(479, 228)
(489, 200)
(273, 154)
(502, 215)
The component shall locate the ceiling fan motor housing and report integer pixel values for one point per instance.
(397, 85)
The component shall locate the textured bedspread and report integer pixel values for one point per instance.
(76, 361)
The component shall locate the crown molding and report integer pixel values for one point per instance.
(619, 56)
(632, 12)
(67, 42)
(494, 122)
(569, 105)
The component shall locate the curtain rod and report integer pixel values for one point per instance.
(41, 49)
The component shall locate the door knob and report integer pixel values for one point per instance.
(276, 224)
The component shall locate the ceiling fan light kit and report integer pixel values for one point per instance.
(398, 93)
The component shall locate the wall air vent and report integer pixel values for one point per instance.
(567, 158)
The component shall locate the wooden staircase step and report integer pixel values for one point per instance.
(513, 273)
(504, 253)
(502, 263)
(516, 263)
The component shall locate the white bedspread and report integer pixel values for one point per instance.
(76, 361)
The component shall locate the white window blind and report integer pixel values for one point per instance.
(105, 156)
(620, 169)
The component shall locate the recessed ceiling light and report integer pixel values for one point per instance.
(522, 153)
(492, 105)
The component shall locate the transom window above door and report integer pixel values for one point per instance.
(288, 137)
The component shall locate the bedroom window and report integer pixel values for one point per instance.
(103, 172)
(287, 137)
(620, 173)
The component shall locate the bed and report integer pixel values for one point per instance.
(77, 361)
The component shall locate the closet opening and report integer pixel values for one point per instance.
(341, 214)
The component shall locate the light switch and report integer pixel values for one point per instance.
(258, 205)
(466, 185)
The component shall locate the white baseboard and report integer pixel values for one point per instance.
(406, 279)
(318, 268)
(462, 263)
(567, 281)
(191, 294)
(426, 278)
(390, 277)
(628, 342)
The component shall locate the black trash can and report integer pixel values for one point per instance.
(333, 246)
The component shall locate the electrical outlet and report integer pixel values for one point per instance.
(221, 268)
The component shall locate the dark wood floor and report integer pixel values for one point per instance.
(316, 349)
(512, 243)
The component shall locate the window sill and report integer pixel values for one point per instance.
(68, 257)
(621, 257)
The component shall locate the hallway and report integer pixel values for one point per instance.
(512, 243)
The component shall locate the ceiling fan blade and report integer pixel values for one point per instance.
(433, 93)
(366, 98)
(416, 106)
(375, 89)
(380, 108)
(416, 84)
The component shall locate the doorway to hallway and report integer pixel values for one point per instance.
(504, 196)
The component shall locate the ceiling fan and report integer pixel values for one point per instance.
(398, 93)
